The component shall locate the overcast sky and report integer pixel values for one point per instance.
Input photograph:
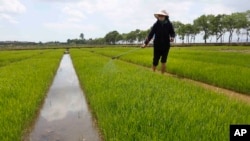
(59, 20)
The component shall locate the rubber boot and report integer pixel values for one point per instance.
(154, 68)
(163, 68)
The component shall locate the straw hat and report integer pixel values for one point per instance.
(161, 12)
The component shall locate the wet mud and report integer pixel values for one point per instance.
(64, 115)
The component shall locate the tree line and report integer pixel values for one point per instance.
(208, 26)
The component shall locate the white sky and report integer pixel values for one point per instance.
(59, 20)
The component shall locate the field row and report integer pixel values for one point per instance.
(8, 57)
(220, 66)
(133, 103)
(25, 77)
(128, 101)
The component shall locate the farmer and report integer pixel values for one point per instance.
(163, 33)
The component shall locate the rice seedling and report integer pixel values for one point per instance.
(213, 65)
(23, 86)
(130, 102)
(7, 57)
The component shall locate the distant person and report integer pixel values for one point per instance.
(163, 33)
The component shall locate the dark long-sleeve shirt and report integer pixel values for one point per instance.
(162, 31)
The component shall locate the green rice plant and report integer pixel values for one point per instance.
(130, 102)
(213, 65)
(216, 56)
(232, 77)
(229, 70)
(23, 87)
(114, 51)
(7, 57)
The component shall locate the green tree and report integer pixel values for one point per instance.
(124, 38)
(203, 25)
(112, 37)
(194, 32)
(189, 31)
(141, 37)
(241, 23)
(178, 27)
(132, 36)
(97, 41)
(248, 25)
(217, 27)
(230, 25)
(82, 36)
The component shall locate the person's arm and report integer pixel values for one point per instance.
(172, 32)
(150, 36)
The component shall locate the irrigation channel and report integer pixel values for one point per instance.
(64, 115)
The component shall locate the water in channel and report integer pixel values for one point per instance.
(64, 115)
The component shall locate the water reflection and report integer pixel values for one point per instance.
(64, 116)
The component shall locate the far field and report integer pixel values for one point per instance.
(127, 99)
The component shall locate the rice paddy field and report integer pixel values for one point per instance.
(25, 77)
(129, 101)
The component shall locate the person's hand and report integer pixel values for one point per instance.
(143, 45)
(171, 39)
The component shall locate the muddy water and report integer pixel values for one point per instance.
(65, 116)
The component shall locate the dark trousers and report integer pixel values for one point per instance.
(160, 54)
